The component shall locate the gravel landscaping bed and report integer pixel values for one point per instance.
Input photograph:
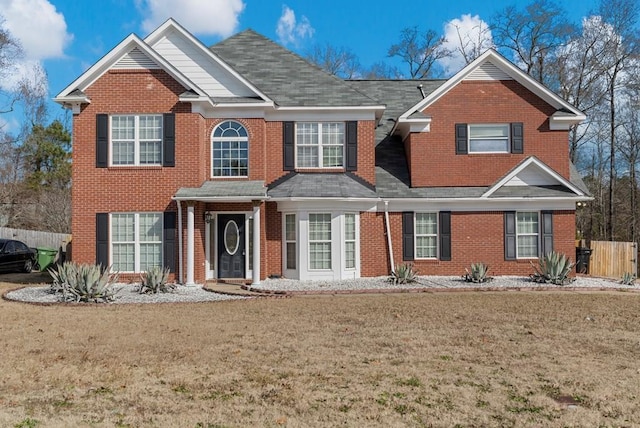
(431, 282)
(126, 293)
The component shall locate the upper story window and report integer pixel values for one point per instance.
(320, 144)
(136, 140)
(230, 150)
(489, 138)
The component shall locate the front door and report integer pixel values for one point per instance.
(231, 246)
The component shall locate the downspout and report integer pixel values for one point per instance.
(180, 269)
(388, 227)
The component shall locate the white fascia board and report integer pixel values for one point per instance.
(533, 160)
(172, 25)
(104, 64)
(220, 198)
(327, 204)
(482, 205)
(564, 123)
(279, 114)
(411, 125)
(506, 66)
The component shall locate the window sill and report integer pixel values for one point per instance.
(334, 170)
(239, 178)
(134, 167)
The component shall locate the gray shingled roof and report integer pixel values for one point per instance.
(323, 185)
(283, 76)
(576, 179)
(397, 95)
(224, 189)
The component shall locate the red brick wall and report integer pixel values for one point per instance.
(433, 159)
(475, 237)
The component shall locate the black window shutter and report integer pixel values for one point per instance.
(169, 241)
(510, 235)
(461, 139)
(547, 233)
(517, 138)
(288, 138)
(407, 236)
(102, 240)
(102, 140)
(352, 146)
(169, 139)
(445, 235)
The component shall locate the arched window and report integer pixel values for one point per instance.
(230, 150)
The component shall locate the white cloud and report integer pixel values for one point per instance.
(40, 28)
(289, 30)
(468, 37)
(204, 17)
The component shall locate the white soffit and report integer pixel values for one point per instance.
(494, 66)
(199, 63)
(533, 172)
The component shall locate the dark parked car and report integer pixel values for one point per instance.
(16, 256)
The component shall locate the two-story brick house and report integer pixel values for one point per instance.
(243, 161)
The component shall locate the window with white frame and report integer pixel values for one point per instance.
(136, 241)
(426, 235)
(320, 144)
(319, 241)
(136, 140)
(230, 150)
(290, 241)
(527, 234)
(350, 241)
(485, 138)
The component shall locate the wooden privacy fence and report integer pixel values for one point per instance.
(613, 259)
(35, 239)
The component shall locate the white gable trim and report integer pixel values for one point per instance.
(523, 165)
(171, 25)
(116, 54)
(501, 63)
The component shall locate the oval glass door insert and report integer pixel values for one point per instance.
(231, 237)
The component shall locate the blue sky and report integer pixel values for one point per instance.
(65, 37)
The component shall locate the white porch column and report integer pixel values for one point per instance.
(190, 244)
(256, 243)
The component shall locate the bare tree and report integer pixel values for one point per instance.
(339, 61)
(532, 35)
(420, 51)
(471, 44)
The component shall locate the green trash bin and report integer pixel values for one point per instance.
(45, 257)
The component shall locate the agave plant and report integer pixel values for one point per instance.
(628, 279)
(155, 281)
(553, 268)
(479, 273)
(83, 283)
(404, 274)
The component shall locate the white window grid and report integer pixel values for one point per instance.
(290, 241)
(527, 234)
(320, 144)
(136, 241)
(349, 241)
(426, 235)
(319, 241)
(230, 150)
(136, 140)
(489, 138)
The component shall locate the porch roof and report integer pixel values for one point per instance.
(321, 185)
(214, 190)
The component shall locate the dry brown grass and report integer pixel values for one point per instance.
(472, 359)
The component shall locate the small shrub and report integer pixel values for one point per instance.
(155, 281)
(553, 268)
(83, 283)
(479, 273)
(628, 279)
(404, 274)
